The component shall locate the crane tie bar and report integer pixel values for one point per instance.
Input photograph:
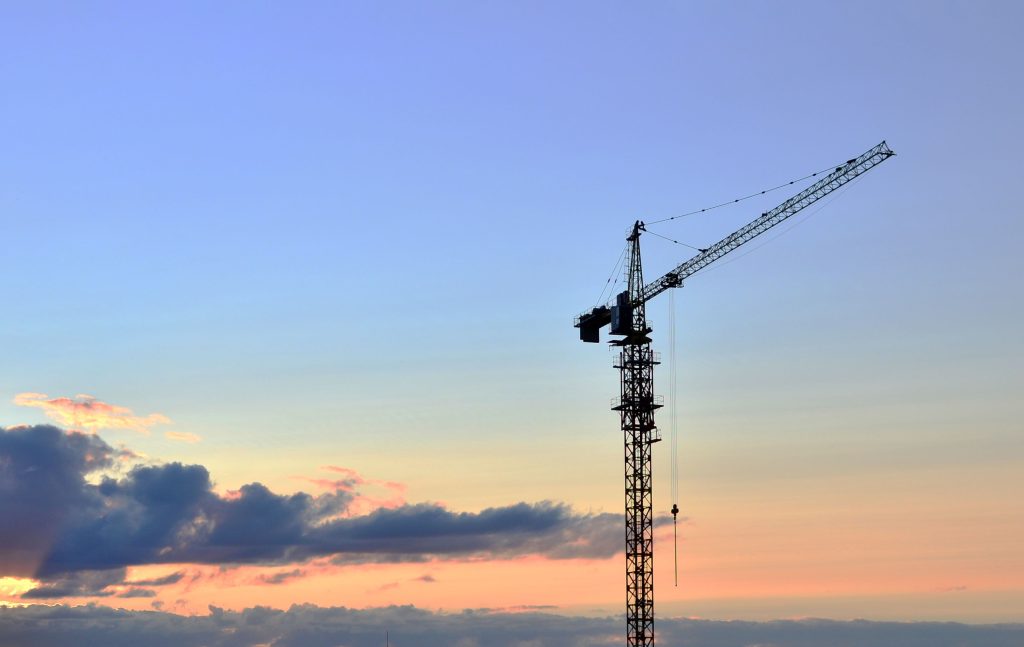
(746, 197)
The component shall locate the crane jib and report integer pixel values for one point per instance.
(591, 322)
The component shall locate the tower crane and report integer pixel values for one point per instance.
(637, 403)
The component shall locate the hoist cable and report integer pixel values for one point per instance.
(673, 418)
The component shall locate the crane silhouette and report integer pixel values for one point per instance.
(637, 403)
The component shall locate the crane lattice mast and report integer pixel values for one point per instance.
(637, 403)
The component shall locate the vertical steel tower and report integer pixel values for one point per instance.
(637, 403)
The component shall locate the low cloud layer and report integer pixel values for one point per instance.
(311, 626)
(79, 535)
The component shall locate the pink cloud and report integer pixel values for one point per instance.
(197, 577)
(354, 482)
(84, 412)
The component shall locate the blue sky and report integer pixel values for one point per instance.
(363, 229)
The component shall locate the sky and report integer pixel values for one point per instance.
(289, 294)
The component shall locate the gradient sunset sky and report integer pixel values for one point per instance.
(336, 249)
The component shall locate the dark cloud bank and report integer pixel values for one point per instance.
(310, 626)
(78, 536)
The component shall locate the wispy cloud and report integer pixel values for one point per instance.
(425, 579)
(81, 584)
(355, 484)
(84, 412)
(280, 577)
(165, 580)
(183, 436)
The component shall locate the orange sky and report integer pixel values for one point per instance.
(915, 541)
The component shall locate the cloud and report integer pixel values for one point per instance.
(43, 490)
(353, 477)
(182, 436)
(545, 528)
(137, 593)
(166, 580)
(426, 579)
(71, 532)
(84, 412)
(312, 626)
(81, 584)
(354, 482)
(281, 576)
